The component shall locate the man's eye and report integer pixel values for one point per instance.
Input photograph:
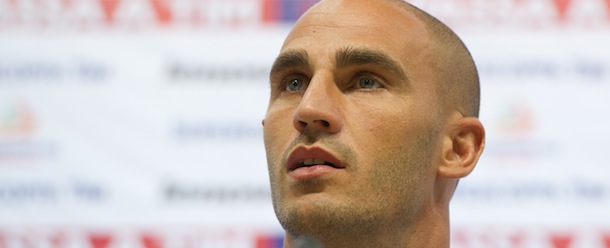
(296, 84)
(368, 83)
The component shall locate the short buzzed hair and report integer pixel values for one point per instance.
(458, 80)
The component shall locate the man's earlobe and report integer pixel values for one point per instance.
(462, 146)
(263, 122)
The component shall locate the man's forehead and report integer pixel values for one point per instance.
(355, 19)
(398, 35)
(353, 12)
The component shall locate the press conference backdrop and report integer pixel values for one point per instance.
(137, 123)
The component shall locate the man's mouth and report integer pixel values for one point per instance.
(313, 156)
(314, 161)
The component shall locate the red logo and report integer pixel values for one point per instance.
(151, 241)
(561, 240)
(100, 240)
(606, 236)
(562, 8)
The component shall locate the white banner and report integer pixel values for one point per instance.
(137, 123)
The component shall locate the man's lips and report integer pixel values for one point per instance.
(313, 156)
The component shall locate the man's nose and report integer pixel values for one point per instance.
(318, 110)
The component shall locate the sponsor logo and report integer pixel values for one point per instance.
(87, 15)
(269, 241)
(189, 73)
(563, 240)
(220, 194)
(100, 240)
(32, 193)
(534, 70)
(179, 237)
(17, 121)
(515, 120)
(461, 237)
(133, 15)
(18, 135)
(531, 14)
(515, 125)
(52, 73)
(208, 131)
(500, 236)
(284, 10)
(523, 192)
(18, 193)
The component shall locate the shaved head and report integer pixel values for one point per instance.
(371, 122)
(458, 79)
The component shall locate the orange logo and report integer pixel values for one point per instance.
(515, 120)
(16, 121)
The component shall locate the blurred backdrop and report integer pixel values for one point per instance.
(137, 123)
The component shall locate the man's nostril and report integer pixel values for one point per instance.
(325, 123)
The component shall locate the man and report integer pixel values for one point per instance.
(372, 121)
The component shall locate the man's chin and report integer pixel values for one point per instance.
(302, 220)
(310, 214)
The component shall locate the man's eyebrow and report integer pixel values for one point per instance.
(360, 56)
(288, 59)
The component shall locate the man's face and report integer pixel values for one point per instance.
(352, 128)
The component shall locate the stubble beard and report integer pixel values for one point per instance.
(324, 219)
(393, 201)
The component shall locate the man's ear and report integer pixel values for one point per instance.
(463, 142)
